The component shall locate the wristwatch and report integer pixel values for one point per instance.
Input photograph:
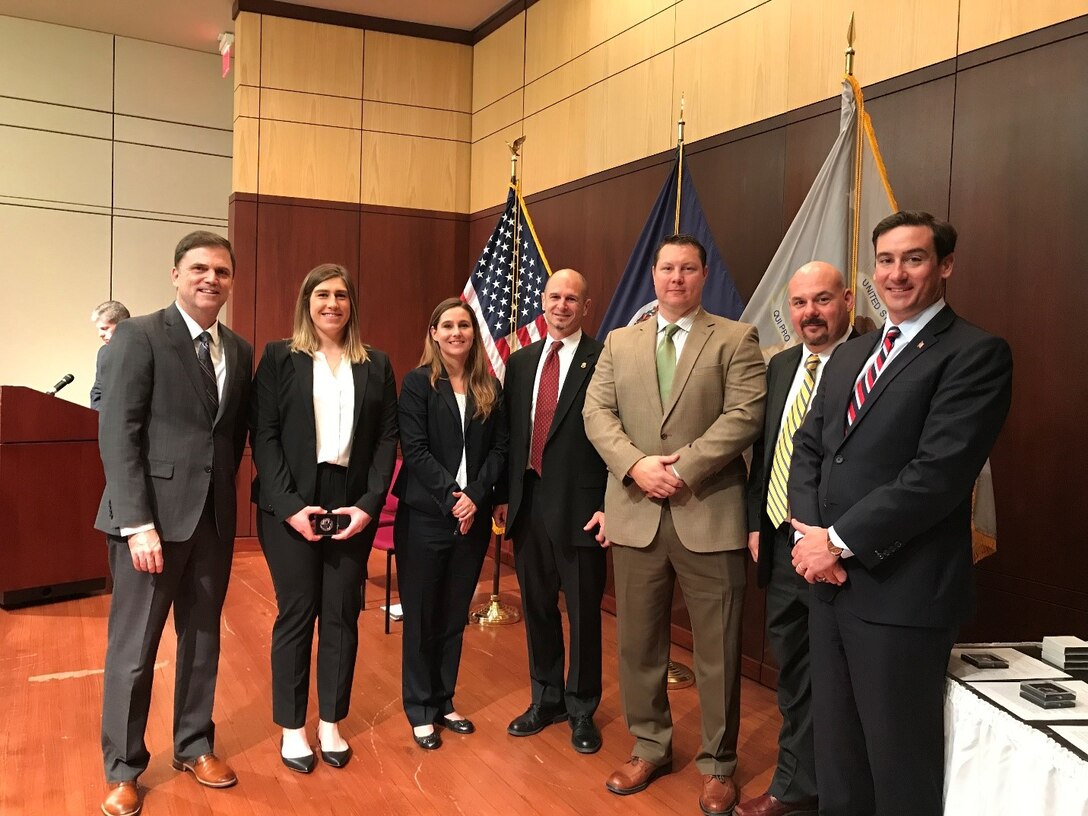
(831, 548)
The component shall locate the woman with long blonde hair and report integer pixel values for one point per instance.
(453, 443)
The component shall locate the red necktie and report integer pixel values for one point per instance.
(547, 395)
(865, 383)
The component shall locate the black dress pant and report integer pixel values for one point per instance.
(314, 581)
(787, 630)
(543, 568)
(437, 571)
(193, 581)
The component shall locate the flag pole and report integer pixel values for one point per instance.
(679, 675)
(495, 612)
(855, 193)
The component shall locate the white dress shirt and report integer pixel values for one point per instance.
(566, 357)
(799, 377)
(462, 469)
(679, 337)
(334, 410)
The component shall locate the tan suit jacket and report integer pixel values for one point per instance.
(715, 411)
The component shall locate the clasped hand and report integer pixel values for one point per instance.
(655, 477)
(464, 510)
(812, 559)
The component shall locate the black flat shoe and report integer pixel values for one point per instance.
(302, 765)
(584, 735)
(336, 759)
(428, 742)
(535, 719)
(462, 726)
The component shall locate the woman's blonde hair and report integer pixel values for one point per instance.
(480, 382)
(304, 337)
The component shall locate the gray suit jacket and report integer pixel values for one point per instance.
(161, 447)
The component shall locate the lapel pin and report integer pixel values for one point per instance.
(583, 365)
(921, 344)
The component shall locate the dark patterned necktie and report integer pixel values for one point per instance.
(204, 357)
(547, 395)
(866, 382)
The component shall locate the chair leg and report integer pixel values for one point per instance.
(388, 585)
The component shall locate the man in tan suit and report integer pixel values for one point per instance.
(675, 503)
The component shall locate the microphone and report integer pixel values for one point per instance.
(67, 378)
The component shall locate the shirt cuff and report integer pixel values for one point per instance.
(676, 473)
(838, 542)
(143, 528)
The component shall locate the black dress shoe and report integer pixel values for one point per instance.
(535, 719)
(302, 764)
(336, 759)
(584, 736)
(428, 742)
(462, 726)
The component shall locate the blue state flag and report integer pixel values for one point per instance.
(634, 299)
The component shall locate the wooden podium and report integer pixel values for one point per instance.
(51, 482)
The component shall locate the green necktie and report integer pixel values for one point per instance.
(778, 505)
(666, 363)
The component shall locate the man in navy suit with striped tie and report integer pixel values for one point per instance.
(880, 492)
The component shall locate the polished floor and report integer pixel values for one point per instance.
(50, 701)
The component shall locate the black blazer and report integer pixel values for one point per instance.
(897, 486)
(431, 440)
(160, 444)
(780, 372)
(575, 474)
(284, 432)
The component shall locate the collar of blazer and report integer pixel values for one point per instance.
(445, 391)
(178, 332)
(702, 328)
(926, 339)
(304, 376)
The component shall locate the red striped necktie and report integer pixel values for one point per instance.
(866, 382)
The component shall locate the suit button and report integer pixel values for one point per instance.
(838, 460)
(207, 468)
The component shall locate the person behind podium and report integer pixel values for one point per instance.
(324, 440)
(454, 439)
(105, 317)
(171, 430)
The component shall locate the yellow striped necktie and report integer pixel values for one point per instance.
(778, 506)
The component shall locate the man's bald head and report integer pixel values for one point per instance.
(820, 305)
(565, 302)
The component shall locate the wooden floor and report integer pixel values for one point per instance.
(51, 660)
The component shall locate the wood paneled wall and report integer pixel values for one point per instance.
(601, 82)
(341, 114)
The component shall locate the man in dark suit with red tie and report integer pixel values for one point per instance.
(820, 306)
(880, 491)
(555, 515)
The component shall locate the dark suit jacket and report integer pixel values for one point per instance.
(575, 474)
(897, 486)
(431, 440)
(96, 389)
(780, 372)
(160, 445)
(284, 433)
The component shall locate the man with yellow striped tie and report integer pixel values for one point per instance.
(820, 312)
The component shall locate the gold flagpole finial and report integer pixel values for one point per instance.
(850, 46)
(680, 123)
(515, 150)
(680, 165)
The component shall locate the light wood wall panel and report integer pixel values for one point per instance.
(414, 71)
(497, 115)
(196, 97)
(49, 63)
(247, 49)
(893, 37)
(55, 118)
(407, 120)
(733, 74)
(292, 106)
(307, 161)
(247, 100)
(983, 22)
(498, 63)
(560, 30)
(55, 167)
(215, 141)
(638, 43)
(69, 254)
(491, 166)
(693, 17)
(297, 55)
(246, 151)
(159, 181)
(408, 171)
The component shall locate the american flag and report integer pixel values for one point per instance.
(507, 306)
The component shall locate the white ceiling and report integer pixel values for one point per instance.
(197, 23)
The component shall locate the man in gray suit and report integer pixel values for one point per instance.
(172, 427)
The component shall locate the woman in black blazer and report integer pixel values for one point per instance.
(324, 439)
(453, 443)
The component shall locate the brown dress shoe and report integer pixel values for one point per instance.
(635, 775)
(122, 799)
(719, 795)
(208, 770)
(767, 805)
